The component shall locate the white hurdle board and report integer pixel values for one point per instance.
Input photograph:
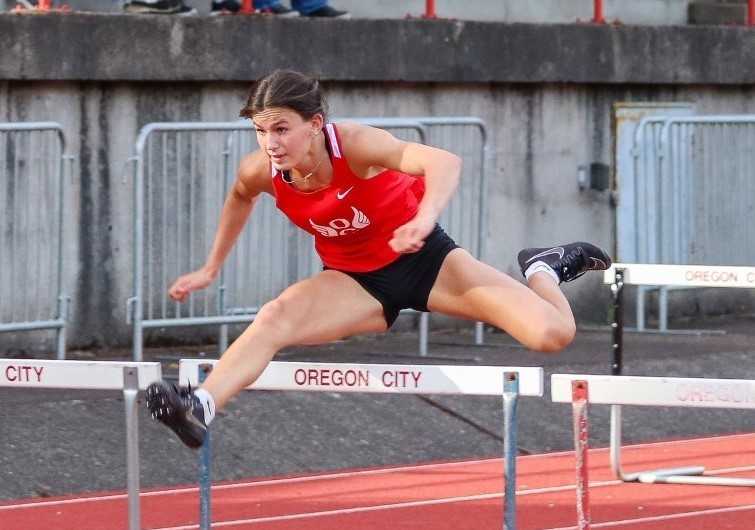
(659, 392)
(381, 378)
(682, 275)
(79, 375)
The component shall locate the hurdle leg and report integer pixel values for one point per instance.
(579, 415)
(510, 399)
(130, 389)
(617, 326)
(615, 446)
(205, 468)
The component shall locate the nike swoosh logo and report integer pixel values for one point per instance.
(555, 250)
(340, 195)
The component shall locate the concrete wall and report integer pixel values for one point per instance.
(541, 131)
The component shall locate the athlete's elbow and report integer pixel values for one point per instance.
(454, 164)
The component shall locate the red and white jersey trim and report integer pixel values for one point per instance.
(333, 137)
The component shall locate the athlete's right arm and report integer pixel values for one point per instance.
(253, 178)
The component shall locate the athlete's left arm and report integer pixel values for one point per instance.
(441, 170)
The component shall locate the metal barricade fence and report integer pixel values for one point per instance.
(694, 194)
(32, 191)
(183, 174)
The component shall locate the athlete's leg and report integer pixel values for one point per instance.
(327, 307)
(537, 315)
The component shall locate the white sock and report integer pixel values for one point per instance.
(541, 266)
(205, 398)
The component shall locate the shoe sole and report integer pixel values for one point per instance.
(165, 407)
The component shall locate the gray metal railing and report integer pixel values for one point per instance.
(694, 194)
(183, 173)
(32, 202)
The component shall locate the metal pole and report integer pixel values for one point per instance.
(424, 327)
(579, 415)
(205, 468)
(130, 389)
(510, 398)
(751, 13)
(617, 326)
(62, 313)
(615, 445)
(598, 12)
(482, 224)
(479, 333)
(430, 9)
(135, 303)
(61, 331)
(663, 309)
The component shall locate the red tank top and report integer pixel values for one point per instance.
(352, 219)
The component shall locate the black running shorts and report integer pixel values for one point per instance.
(407, 282)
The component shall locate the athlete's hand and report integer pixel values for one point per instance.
(188, 283)
(410, 237)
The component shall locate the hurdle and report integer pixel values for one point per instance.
(507, 382)
(657, 392)
(621, 274)
(130, 377)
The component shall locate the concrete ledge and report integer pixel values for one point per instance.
(718, 13)
(103, 47)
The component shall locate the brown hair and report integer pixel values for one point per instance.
(289, 89)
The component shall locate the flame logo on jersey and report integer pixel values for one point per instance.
(340, 226)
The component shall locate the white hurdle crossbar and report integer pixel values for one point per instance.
(507, 382)
(130, 377)
(640, 274)
(659, 392)
(682, 275)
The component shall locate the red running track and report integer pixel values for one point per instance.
(443, 496)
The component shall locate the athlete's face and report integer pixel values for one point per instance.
(285, 136)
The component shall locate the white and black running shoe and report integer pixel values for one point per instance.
(179, 409)
(568, 261)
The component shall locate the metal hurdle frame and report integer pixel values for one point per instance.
(130, 377)
(507, 382)
(621, 274)
(682, 276)
(63, 301)
(692, 392)
(238, 315)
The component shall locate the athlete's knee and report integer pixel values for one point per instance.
(274, 320)
(554, 337)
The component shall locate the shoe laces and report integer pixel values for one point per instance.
(573, 256)
(573, 261)
(186, 396)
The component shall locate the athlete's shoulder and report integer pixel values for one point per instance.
(363, 141)
(350, 132)
(254, 174)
